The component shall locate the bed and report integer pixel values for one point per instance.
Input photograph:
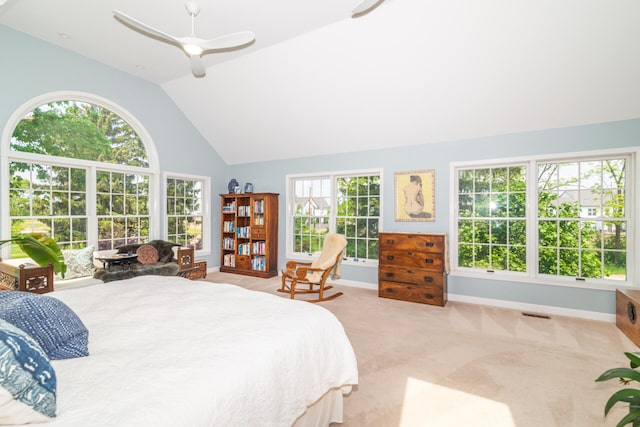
(168, 351)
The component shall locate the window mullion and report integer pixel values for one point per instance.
(91, 200)
(532, 218)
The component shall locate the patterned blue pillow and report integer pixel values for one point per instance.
(53, 325)
(27, 379)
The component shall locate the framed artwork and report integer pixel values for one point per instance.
(415, 196)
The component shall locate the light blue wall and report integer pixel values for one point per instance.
(31, 67)
(270, 176)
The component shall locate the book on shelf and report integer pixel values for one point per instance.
(229, 207)
(258, 248)
(229, 260)
(244, 210)
(258, 206)
(228, 243)
(243, 232)
(243, 249)
(259, 263)
(229, 226)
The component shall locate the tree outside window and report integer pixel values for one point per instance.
(581, 218)
(348, 204)
(184, 211)
(51, 196)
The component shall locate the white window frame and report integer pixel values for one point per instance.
(7, 156)
(333, 176)
(531, 276)
(206, 211)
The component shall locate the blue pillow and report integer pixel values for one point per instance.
(27, 379)
(49, 321)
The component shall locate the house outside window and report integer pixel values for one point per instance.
(77, 168)
(346, 203)
(187, 200)
(551, 220)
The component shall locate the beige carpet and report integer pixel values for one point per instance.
(470, 365)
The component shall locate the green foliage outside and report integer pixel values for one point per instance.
(357, 218)
(492, 219)
(184, 212)
(81, 131)
(53, 199)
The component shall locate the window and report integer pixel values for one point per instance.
(48, 199)
(122, 208)
(186, 203)
(560, 219)
(491, 218)
(344, 203)
(572, 244)
(79, 171)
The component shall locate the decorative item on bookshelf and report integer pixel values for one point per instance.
(248, 187)
(232, 185)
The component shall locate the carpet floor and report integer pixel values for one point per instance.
(470, 365)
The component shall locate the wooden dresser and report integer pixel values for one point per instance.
(413, 267)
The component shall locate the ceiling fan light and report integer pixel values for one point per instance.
(192, 49)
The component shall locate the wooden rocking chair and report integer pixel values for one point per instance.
(314, 274)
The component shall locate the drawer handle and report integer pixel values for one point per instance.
(390, 257)
(428, 296)
(390, 241)
(429, 244)
(389, 274)
(409, 252)
(410, 271)
(428, 260)
(428, 279)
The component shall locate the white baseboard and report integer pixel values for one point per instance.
(535, 308)
(514, 305)
(355, 284)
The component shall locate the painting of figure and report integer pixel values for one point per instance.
(415, 195)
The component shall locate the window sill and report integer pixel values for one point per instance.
(367, 263)
(609, 285)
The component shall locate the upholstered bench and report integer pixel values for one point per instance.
(156, 257)
(135, 270)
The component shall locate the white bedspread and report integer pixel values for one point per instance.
(167, 351)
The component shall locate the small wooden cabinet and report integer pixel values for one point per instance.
(249, 243)
(413, 267)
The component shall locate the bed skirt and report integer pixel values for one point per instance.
(327, 410)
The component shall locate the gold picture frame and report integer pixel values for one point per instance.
(415, 196)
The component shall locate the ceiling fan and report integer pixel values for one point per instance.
(364, 7)
(192, 45)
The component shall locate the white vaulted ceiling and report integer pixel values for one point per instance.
(317, 81)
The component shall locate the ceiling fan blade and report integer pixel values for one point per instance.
(140, 26)
(365, 6)
(229, 41)
(197, 65)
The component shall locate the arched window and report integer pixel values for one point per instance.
(80, 169)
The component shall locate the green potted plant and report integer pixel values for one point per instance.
(42, 249)
(628, 395)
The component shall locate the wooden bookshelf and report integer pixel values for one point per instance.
(249, 234)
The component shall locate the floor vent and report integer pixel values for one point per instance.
(539, 316)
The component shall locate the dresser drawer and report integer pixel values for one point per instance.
(243, 262)
(412, 242)
(258, 234)
(428, 294)
(417, 276)
(409, 258)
